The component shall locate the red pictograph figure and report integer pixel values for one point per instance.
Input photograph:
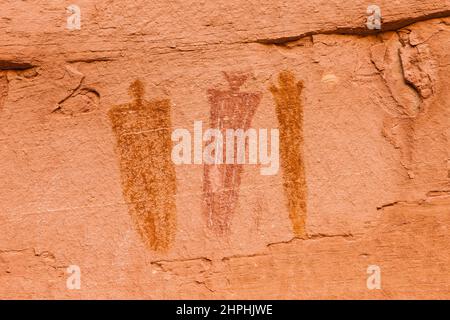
(230, 109)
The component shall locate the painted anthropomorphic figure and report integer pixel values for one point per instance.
(230, 109)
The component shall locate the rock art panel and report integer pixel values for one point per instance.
(79, 188)
(142, 130)
(289, 110)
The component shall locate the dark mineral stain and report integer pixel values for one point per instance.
(15, 65)
(230, 109)
(142, 130)
(3, 88)
(289, 112)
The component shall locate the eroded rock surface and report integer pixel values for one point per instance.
(366, 181)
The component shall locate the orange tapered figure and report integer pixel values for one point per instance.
(142, 130)
(289, 111)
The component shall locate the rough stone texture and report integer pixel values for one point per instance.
(375, 148)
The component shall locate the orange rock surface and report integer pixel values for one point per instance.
(86, 178)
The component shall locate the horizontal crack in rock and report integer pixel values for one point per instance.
(360, 31)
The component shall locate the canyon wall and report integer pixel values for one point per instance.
(87, 179)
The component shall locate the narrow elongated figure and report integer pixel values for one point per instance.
(230, 109)
(289, 111)
(142, 130)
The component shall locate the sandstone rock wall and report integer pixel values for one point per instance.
(86, 177)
